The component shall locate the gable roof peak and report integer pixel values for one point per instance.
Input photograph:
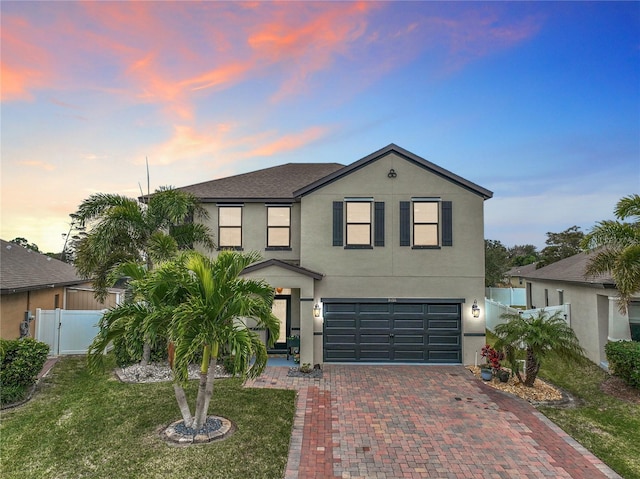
(407, 155)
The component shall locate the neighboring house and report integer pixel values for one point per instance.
(515, 276)
(595, 316)
(377, 261)
(30, 280)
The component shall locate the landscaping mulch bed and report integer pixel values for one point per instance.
(541, 392)
(616, 387)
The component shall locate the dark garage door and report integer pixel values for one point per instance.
(392, 331)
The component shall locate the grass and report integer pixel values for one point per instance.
(81, 425)
(606, 426)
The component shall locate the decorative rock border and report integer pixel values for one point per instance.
(173, 435)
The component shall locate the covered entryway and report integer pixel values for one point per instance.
(405, 330)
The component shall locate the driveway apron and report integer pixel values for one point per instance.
(388, 422)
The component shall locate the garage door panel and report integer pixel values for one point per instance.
(410, 355)
(340, 308)
(444, 324)
(383, 324)
(408, 308)
(414, 324)
(341, 355)
(444, 356)
(381, 308)
(385, 332)
(374, 339)
(336, 338)
(448, 309)
(333, 323)
(434, 340)
(375, 354)
(402, 339)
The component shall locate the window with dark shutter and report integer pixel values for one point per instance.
(405, 223)
(378, 224)
(338, 214)
(447, 223)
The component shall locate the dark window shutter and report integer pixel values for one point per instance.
(378, 223)
(338, 221)
(405, 223)
(447, 223)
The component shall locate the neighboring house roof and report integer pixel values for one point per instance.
(433, 168)
(285, 265)
(571, 270)
(521, 270)
(277, 183)
(24, 270)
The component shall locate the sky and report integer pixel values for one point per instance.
(537, 102)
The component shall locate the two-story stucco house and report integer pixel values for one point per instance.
(378, 261)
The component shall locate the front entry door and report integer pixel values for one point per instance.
(282, 310)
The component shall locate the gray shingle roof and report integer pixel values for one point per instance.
(275, 183)
(24, 270)
(570, 270)
(521, 270)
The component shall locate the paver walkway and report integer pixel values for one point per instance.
(391, 422)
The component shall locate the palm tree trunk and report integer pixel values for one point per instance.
(183, 404)
(146, 353)
(205, 391)
(533, 366)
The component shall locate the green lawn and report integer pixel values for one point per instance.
(79, 425)
(606, 426)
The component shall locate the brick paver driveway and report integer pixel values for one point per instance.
(383, 422)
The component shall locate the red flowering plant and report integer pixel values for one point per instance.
(493, 358)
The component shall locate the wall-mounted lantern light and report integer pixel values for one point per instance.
(316, 311)
(475, 309)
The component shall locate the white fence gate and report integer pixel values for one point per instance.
(67, 331)
(493, 311)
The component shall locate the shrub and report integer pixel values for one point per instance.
(20, 362)
(624, 361)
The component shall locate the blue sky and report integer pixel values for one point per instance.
(538, 102)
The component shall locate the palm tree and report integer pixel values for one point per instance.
(199, 304)
(617, 249)
(538, 336)
(122, 230)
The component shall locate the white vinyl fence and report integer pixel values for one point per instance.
(494, 310)
(66, 331)
(508, 296)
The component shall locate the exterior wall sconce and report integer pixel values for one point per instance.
(475, 309)
(316, 311)
(392, 173)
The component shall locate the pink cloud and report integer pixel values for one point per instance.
(289, 142)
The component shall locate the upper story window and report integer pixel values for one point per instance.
(279, 227)
(230, 227)
(358, 226)
(358, 223)
(426, 223)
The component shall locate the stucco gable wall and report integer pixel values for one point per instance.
(464, 259)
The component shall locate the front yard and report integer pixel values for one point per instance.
(79, 425)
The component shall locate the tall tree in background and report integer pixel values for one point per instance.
(561, 245)
(496, 262)
(25, 244)
(617, 249)
(520, 255)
